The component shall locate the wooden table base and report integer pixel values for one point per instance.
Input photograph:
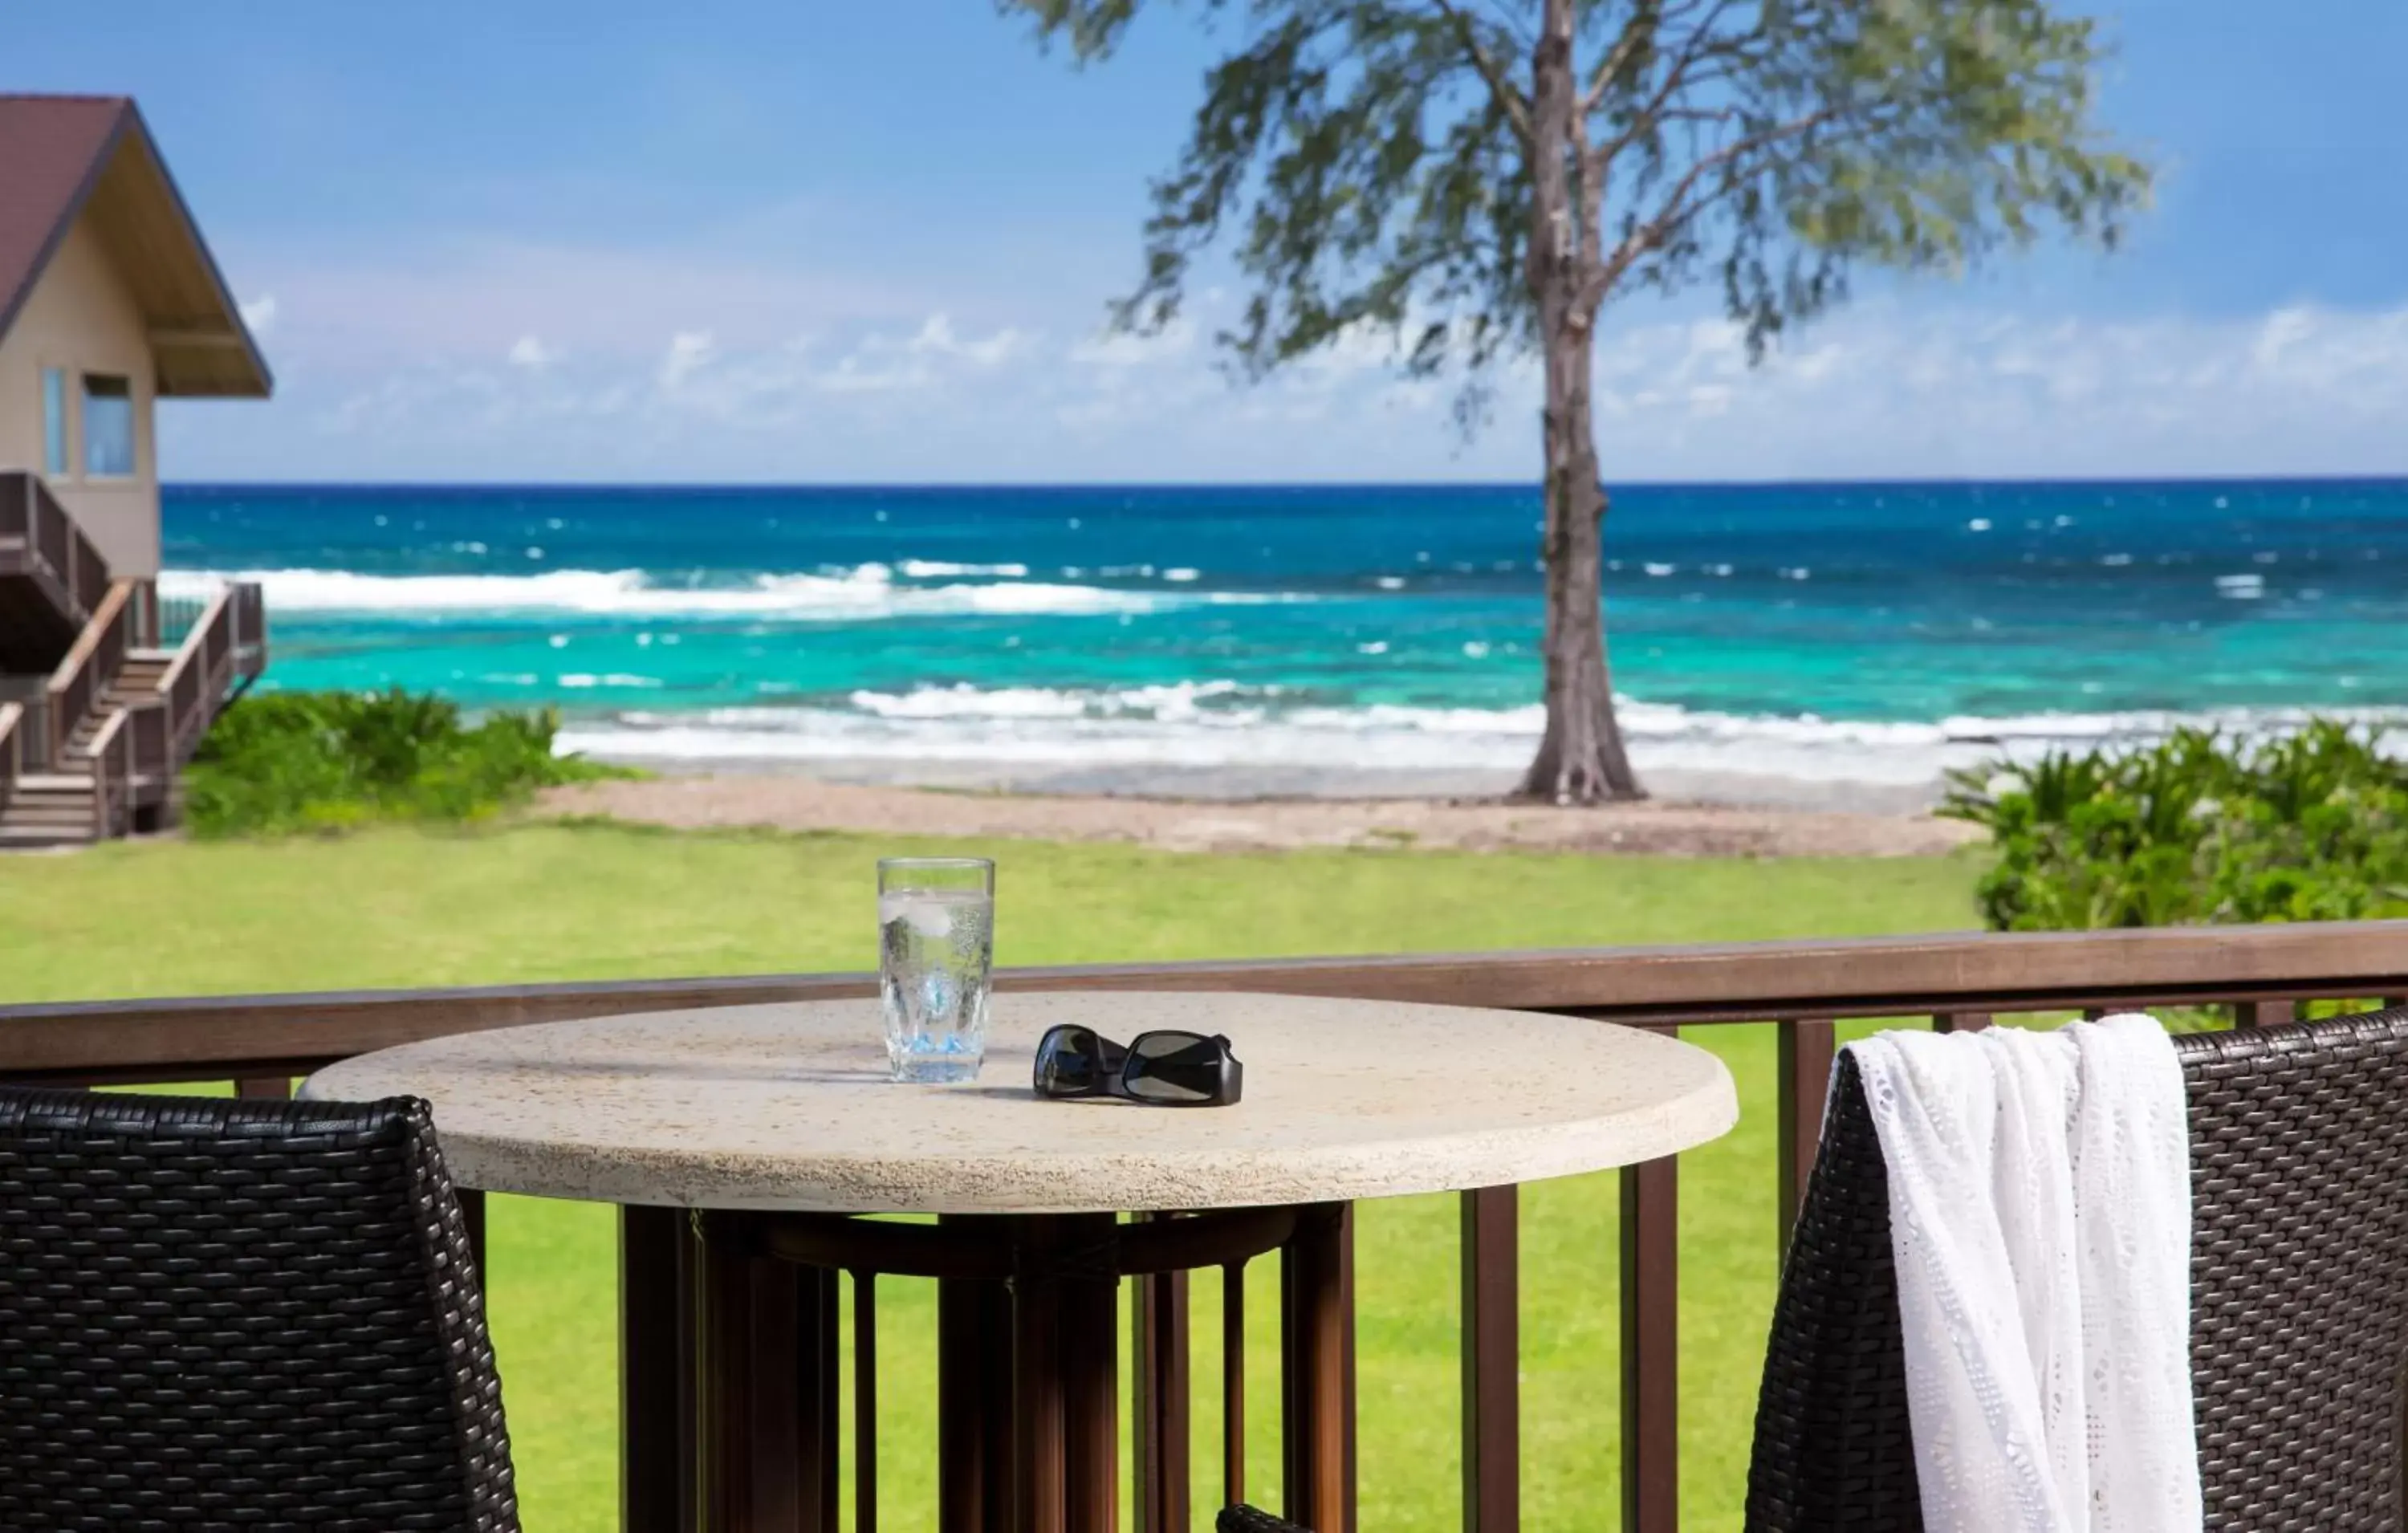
(730, 1353)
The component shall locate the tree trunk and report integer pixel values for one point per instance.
(1580, 758)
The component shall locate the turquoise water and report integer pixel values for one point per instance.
(1816, 630)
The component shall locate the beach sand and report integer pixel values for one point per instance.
(1222, 821)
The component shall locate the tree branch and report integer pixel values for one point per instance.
(1625, 48)
(1676, 208)
(1700, 45)
(1503, 14)
(1517, 112)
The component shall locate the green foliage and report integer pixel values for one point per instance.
(300, 761)
(1377, 164)
(2309, 826)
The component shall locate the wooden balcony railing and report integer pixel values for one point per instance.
(1801, 990)
(50, 547)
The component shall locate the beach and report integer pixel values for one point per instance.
(789, 801)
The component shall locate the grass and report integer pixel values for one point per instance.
(594, 901)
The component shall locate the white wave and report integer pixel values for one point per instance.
(1180, 700)
(1223, 724)
(866, 592)
(935, 569)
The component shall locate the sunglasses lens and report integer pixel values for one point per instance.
(1070, 1060)
(1173, 1068)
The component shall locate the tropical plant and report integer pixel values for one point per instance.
(2310, 824)
(1475, 180)
(289, 761)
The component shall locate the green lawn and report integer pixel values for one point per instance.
(590, 902)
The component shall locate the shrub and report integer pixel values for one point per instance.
(2202, 827)
(297, 761)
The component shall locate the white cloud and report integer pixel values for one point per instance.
(1882, 390)
(1173, 344)
(451, 298)
(937, 339)
(930, 356)
(689, 351)
(1885, 389)
(260, 314)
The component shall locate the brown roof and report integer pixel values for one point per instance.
(62, 157)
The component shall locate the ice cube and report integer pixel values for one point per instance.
(930, 917)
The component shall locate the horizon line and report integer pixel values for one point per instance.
(774, 486)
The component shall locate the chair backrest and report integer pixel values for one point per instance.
(2299, 1140)
(219, 1314)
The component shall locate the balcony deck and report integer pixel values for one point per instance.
(1801, 992)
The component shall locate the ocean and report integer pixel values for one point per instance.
(1866, 632)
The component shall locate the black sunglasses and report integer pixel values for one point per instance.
(1162, 1069)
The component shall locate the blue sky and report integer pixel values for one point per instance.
(762, 240)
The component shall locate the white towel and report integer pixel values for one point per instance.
(2040, 1215)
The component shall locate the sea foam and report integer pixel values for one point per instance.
(1223, 723)
(867, 592)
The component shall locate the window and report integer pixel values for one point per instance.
(54, 421)
(108, 426)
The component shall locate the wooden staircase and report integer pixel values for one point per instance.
(96, 753)
(136, 684)
(48, 809)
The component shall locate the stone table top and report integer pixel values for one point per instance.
(789, 1107)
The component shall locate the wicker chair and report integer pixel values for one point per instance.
(2298, 1300)
(2299, 1297)
(239, 1315)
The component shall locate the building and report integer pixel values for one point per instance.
(109, 302)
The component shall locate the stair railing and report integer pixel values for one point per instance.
(111, 757)
(250, 629)
(146, 615)
(204, 666)
(177, 617)
(153, 749)
(12, 751)
(99, 655)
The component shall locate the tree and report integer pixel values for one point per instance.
(1474, 179)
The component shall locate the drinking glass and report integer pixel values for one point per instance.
(936, 943)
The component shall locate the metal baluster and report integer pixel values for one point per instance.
(1492, 1402)
(865, 1402)
(1805, 1080)
(2265, 1013)
(1233, 1385)
(1651, 1313)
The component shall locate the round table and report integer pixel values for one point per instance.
(776, 1125)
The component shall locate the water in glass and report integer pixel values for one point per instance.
(935, 948)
